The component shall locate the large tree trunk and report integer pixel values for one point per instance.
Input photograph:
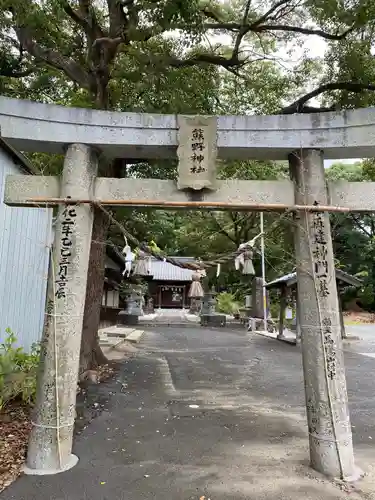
(91, 353)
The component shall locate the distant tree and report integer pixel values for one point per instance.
(354, 234)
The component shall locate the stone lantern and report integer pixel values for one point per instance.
(209, 316)
(196, 292)
(141, 271)
(130, 316)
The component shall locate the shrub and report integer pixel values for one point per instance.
(275, 310)
(227, 304)
(18, 371)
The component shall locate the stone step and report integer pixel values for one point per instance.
(115, 331)
(114, 335)
(135, 336)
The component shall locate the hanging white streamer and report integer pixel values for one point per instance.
(129, 258)
(239, 261)
(218, 270)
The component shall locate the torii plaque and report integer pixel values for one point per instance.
(197, 152)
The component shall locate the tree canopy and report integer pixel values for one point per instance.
(93, 43)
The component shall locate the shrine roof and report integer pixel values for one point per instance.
(164, 271)
(290, 280)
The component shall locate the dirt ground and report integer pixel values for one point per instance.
(15, 427)
(360, 317)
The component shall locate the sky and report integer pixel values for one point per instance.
(328, 163)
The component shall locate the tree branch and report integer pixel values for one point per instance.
(221, 230)
(68, 9)
(265, 16)
(12, 73)
(85, 18)
(298, 106)
(204, 58)
(242, 32)
(211, 14)
(303, 31)
(254, 28)
(360, 226)
(285, 10)
(118, 20)
(88, 13)
(247, 226)
(73, 70)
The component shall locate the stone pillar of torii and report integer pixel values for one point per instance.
(50, 449)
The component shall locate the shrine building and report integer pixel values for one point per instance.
(169, 285)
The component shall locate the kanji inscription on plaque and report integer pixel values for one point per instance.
(197, 152)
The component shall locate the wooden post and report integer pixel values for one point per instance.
(298, 322)
(283, 296)
(342, 324)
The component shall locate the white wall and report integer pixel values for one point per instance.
(24, 238)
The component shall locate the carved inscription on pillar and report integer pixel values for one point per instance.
(66, 247)
(320, 253)
(197, 152)
(318, 418)
(322, 272)
(48, 314)
(329, 346)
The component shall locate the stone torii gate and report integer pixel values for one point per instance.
(84, 134)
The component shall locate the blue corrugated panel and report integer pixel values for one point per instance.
(24, 237)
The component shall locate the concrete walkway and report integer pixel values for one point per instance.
(217, 414)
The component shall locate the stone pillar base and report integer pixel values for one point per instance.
(73, 460)
(213, 320)
(257, 324)
(124, 318)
